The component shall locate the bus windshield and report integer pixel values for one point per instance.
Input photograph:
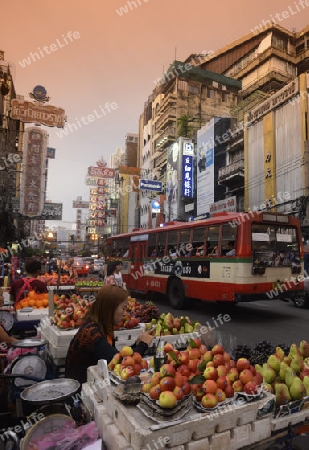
(275, 245)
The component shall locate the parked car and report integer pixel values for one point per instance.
(82, 267)
(96, 266)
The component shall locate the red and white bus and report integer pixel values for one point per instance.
(230, 257)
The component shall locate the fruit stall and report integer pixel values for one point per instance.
(189, 391)
(199, 399)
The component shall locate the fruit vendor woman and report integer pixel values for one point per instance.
(95, 338)
(21, 286)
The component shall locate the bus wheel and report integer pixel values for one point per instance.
(176, 294)
(301, 300)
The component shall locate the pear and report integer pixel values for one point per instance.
(306, 384)
(274, 363)
(282, 394)
(268, 373)
(297, 389)
(287, 360)
(279, 353)
(304, 348)
(289, 376)
(283, 367)
(297, 364)
(294, 351)
(259, 368)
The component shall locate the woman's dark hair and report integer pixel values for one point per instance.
(103, 309)
(33, 266)
(111, 267)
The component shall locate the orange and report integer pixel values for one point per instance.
(39, 304)
(31, 302)
(45, 302)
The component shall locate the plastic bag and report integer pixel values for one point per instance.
(67, 438)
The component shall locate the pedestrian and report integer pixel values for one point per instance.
(110, 273)
(118, 274)
(95, 338)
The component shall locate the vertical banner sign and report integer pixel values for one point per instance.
(32, 189)
(187, 170)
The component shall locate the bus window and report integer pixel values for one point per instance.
(213, 241)
(126, 245)
(275, 245)
(172, 243)
(198, 241)
(184, 240)
(228, 241)
(152, 245)
(161, 244)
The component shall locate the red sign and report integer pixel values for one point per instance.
(101, 172)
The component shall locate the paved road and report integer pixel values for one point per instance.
(272, 320)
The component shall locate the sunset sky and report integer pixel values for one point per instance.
(114, 57)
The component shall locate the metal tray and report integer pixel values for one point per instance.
(29, 342)
(50, 391)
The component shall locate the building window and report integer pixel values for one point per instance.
(224, 97)
(210, 93)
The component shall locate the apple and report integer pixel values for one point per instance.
(238, 386)
(233, 374)
(177, 323)
(250, 388)
(221, 382)
(217, 349)
(178, 379)
(198, 342)
(167, 384)
(218, 360)
(209, 401)
(145, 364)
(220, 394)
(137, 357)
(232, 363)
(194, 353)
(229, 391)
(193, 363)
(210, 373)
(226, 357)
(208, 356)
(178, 392)
(209, 387)
(258, 378)
(242, 364)
(167, 370)
(168, 347)
(184, 370)
(155, 392)
(199, 394)
(127, 372)
(245, 376)
(146, 387)
(167, 399)
(222, 371)
(186, 388)
(155, 378)
(183, 357)
(137, 369)
(210, 364)
(126, 351)
(203, 349)
(128, 361)
(252, 368)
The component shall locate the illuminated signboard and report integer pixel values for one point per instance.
(187, 185)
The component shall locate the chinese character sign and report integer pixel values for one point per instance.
(187, 170)
(32, 190)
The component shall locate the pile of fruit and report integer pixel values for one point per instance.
(287, 376)
(211, 375)
(128, 322)
(144, 312)
(260, 353)
(127, 363)
(69, 311)
(91, 282)
(33, 300)
(167, 324)
(52, 279)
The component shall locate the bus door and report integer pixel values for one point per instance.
(138, 252)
